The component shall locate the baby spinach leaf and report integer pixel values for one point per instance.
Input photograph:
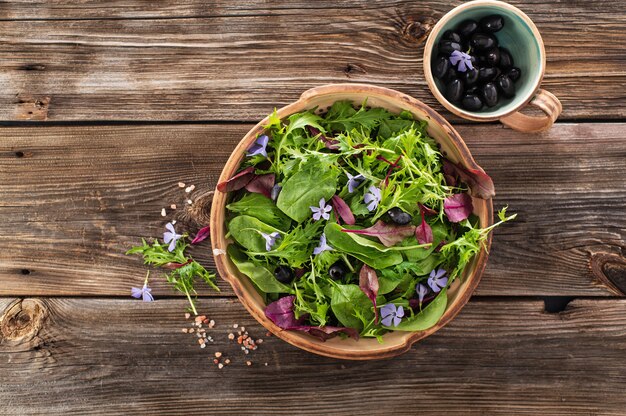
(261, 208)
(372, 255)
(305, 189)
(260, 276)
(390, 279)
(247, 231)
(346, 299)
(428, 317)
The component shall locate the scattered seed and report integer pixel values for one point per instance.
(189, 201)
(246, 351)
(173, 206)
(187, 315)
(163, 213)
(191, 330)
(259, 341)
(231, 336)
(248, 363)
(227, 361)
(181, 184)
(218, 354)
(266, 364)
(243, 328)
(202, 345)
(211, 323)
(235, 325)
(215, 360)
(268, 334)
(185, 330)
(190, 188)
(220, 366)
(200, 341)
(173, 222)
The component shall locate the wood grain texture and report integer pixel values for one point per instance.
(497, 357)
(84, 60)
(73, 199)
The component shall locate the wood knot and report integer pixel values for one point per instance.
(610, 270)
(352, 69)
(417, 30)
(22, 320)
(31, 108)
(198, 214)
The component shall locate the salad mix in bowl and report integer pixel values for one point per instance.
(353, 222)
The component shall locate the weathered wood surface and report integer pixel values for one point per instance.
(106, 356)
(73, 199)
(87, 60)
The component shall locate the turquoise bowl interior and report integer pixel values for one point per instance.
(526, 49)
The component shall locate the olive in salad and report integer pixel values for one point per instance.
(353, 222)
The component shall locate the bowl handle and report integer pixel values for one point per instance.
(546, 102)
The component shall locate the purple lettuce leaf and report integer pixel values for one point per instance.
(342, 210)
(202, 235)
(368, 283)
(329, 143)
(174, 266)
(281, 313)
(262, 184)
(388, 234)
(426, 210)
(480, 184)
(423, 232)
(239, 181)
(458, 207)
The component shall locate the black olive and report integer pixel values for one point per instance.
(513, 73)
(451, 74)
(492, 56)
(399, 217)
(483, 41)
(505, 85)
(275, 191)
(482, 59)
(451, 35)
(472, 90)
(489, 94)
(486, 73)
(492, 23)
(506, 60)
(470, 77)
(284, 274)
(441, 66)
(471, 102)
(338, 270)
(467, 28)
(454, 90)
(448, 46)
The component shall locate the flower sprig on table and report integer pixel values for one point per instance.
(170, 254)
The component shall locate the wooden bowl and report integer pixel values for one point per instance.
(365, 348)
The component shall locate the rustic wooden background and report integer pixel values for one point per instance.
(106, 105)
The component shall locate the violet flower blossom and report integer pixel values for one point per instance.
(372, 198)
(437, 280)
(323, 246)
(143, 292)
(421, 290)
(391, 314)
(270, 239)
(259, 146)
(463, 60)
(323, 211)
(170, 236)
(354, 181)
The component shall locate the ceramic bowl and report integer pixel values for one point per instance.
(522, 38)
(365, 348)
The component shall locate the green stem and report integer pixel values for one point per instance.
(193, 307)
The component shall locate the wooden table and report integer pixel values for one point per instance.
(106, 105)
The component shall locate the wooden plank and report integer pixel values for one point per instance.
(78, 197)
(219, 61)
(497, 357)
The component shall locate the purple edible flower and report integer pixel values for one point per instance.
(391, 314)
(323, 211)
(421, 290)
(372, 198)
(258, 148)
(143, 292)
(354, 181)
(437, 280)
(323, 246)
(270, 239)
(170, 236)
(463, 60)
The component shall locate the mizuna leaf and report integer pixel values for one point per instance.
(262, 184)
(388, 234)
(458, 207)
(480, 184)
(238, 181)
(343, 210)
(368, 283)
(202, 235)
